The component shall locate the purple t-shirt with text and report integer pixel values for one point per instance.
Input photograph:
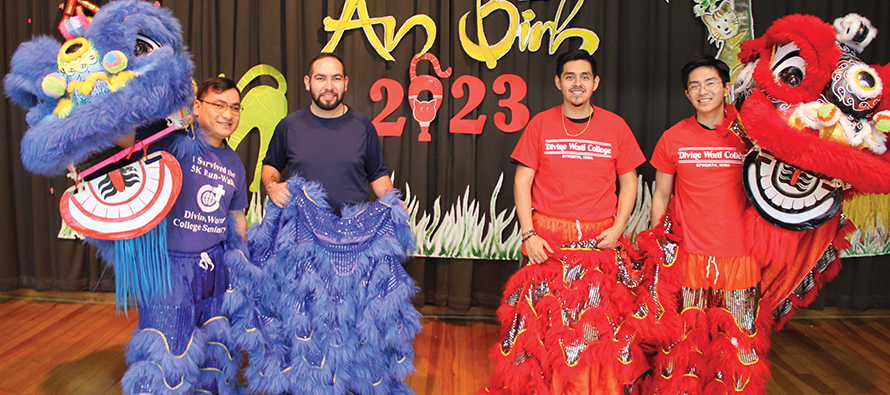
(213, 183)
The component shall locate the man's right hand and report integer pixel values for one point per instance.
(279, 194)
(537, 249)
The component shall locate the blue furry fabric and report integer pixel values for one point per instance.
(322, 305)
(164, 353)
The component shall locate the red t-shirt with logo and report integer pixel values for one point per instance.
(575, 176)
(709, 198)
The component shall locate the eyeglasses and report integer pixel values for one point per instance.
(709, 85)
(220, 106)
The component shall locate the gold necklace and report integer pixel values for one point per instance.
(564, 116)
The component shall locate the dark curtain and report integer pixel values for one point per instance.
(643, 44)
(32, 256)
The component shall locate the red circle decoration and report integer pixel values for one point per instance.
(126, 202)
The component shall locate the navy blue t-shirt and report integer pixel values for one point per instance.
(342, 153)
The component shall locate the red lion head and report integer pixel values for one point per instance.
(815, 114)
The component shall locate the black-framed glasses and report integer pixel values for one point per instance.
(220, 106)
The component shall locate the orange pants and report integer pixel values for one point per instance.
(728, 273)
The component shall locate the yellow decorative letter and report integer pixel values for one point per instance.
(366, 23)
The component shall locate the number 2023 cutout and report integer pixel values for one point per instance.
(465, 84)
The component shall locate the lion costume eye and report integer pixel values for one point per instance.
(145, 45)
(864, 81)
(788, 66)
(855, 87)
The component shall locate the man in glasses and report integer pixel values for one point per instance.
(699, 194)
(209, 207)
(327, 142)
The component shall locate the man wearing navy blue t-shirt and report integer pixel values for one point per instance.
(327, 142)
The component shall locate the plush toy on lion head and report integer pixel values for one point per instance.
(128, 69)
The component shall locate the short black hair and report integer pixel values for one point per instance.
(575, 54)
(217, 85)
(322, 55)
(704, 60)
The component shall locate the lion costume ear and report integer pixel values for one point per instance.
(855, 31)
(28, 66)
(750, 50)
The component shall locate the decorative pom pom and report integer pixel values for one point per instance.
(54, 85)
(882, 121)
(114, 62)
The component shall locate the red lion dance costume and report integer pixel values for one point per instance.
(812, 114)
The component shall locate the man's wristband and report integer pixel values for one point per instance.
(270, 186)
(528, 235)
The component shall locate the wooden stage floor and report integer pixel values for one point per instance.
(75, 346)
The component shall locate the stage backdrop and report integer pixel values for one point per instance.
(446, 136)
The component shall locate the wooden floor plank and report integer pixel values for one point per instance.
(75, 349)
(864, 348)
(104, 330)
(422, 345)
(32, 320)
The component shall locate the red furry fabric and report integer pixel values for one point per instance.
(803, 148)
(722, 355)
(841, 243)
(660, 325)
(679, 368)
(548, 332)
(816, 40)
(707, 348)
(534, 373)
(693, 346)
(840, 239)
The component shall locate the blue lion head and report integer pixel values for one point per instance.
(130, 68)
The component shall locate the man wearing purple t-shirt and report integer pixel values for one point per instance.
(327, 142)
(213, 189)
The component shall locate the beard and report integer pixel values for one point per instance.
(329, 105)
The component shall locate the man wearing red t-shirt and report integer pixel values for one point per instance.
(568, 159)
(699, 195)
(563, 311)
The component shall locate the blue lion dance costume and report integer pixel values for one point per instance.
(119, 72)
(321, 304)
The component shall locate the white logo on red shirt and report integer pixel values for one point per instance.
(710, 156)
(577, 149)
